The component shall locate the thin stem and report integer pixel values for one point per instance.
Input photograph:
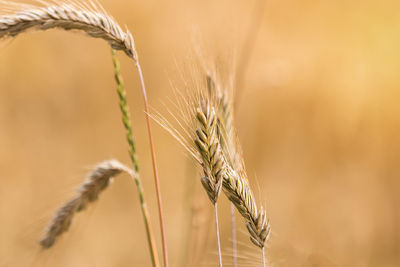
(146, 216)
(218, 238)
(263, 257)
(155, 170)
(188, 211)
(234, 240)
(132, 153)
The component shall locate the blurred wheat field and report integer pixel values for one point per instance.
(318, 120)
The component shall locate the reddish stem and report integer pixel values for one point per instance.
(155, 170)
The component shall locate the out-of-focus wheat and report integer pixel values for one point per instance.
(96, 182)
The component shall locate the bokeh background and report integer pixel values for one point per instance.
(318, 118)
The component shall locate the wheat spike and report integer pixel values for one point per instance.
(235, 184)
(222, 97)
(210, 104)
(89, 191)
(207, 143)
(241, 195)
(213, 163)
(67, 16)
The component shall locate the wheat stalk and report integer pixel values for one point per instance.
(96, 182)
(126, 119)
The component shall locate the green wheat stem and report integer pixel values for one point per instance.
(132, 153)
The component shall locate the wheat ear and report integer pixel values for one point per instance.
(212, 161)
(96, 182)
(239, 193)
(208, 146)
(71, 16)
(225, 128)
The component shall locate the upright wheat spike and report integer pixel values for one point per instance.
(213, 164)
(201, 140)
(222, 97)
(209, 148)
(96, 182)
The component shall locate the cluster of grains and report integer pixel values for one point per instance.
(235, 183)
(95, 183)
(71, 16)
(239, 193)
(207, 143)
(208, 123)
(226, 130)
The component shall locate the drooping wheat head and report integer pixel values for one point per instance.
(88, 192)
(92, 20)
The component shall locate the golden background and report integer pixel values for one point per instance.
(319, 122)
